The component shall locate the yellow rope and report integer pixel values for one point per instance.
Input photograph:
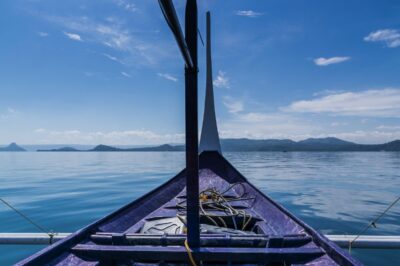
(189, 251)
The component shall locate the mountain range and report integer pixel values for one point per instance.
(284, 145)
(311, 144)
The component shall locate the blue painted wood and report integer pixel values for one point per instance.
(209, 254)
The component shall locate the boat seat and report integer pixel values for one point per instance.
(207, 240)
(206, 254)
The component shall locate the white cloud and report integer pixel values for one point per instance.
(43, 34)
(73, 36)
(248, 13)
(221, 81)
(127, 5)
(387, 127)
(369, 103)
(321, 61)
(127, 137)
(233, 106)
(286, 126)
(167, 76)
(125, 74)
(390, 37)
(258, 125)
(367, 136)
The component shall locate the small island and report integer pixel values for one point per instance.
(12, 147)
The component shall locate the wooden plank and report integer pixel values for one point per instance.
(176, 253)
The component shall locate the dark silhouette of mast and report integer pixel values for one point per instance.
(188, 48)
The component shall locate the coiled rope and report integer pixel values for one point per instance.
(216, 200)
(213, 199)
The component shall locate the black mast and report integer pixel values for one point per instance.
(192, 149)
(188, 47)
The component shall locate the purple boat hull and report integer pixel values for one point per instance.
(277, 237)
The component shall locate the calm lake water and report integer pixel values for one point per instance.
(334, 192)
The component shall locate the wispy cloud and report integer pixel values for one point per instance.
(115, 34)
(73, 36)
(127, 5)
(167, 76)
(248, 13)
(259, 125)
(127, 137)
(388, 127)
(88, 74)
(391, 37)
(366, 136)
(112, 58)
(8, 113)
(221, 81)
(125, 74)
(322, 61)
(369, 103)
(278, 125)
(338, 124)
(234, 106)
(40, 130)
(42, 34)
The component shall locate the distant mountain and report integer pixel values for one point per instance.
(325, 141)
(165, 147)
(311, 144)
(102, 147)
(61, 149)
(46, 147)
(12, 147)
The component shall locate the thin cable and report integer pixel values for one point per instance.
(27, 218)
(373, 222)
(201, 38)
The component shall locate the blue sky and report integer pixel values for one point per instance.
(89, 72)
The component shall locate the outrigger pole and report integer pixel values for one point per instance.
(188, 48)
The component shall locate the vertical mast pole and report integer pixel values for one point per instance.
(191, 117)
(209, 139)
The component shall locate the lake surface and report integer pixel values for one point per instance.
(334, 192)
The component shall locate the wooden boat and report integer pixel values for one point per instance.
(238, 224)
(134, 235)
